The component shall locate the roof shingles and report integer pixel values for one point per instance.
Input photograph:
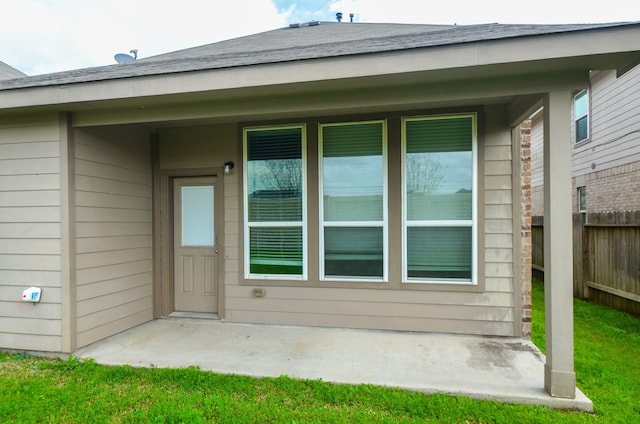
(328, 39)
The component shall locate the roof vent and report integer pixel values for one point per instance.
(339, 16)
(308, 24)
(351, 15)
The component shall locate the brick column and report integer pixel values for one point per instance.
(525, 226)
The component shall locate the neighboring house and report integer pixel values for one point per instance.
(605, 165)
(7, 72)
(331, 174)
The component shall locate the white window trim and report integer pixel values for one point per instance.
(247, 225)
(384, 223)
(473, 223)
(577, 118)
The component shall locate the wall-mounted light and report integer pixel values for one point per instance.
(228, 166)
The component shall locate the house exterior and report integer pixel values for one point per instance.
(325, 174)
(605, 162)
(8, 72)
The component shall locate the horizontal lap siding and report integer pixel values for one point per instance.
(469, 313)
(615, 114)
(489, 312)
(30, 233)
(113, 232)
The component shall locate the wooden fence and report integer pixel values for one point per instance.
(606, 258)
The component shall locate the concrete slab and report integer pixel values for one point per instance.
(509, 370)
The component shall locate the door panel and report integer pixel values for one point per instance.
(195, 250)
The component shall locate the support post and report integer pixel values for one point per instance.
(559, 376)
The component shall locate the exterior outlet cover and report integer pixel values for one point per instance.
(257, 292)
(32, 294)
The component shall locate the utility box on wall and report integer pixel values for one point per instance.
(32, 294)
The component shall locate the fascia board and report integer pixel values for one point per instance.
(600, 49)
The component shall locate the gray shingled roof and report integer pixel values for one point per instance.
(308, 42)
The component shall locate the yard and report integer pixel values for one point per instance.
(34, 390)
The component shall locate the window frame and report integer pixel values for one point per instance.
(384, 224)
(472, 223)
(247, 225)
(576, 118)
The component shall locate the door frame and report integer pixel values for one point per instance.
(163, 268)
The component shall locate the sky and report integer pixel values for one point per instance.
(44, 36)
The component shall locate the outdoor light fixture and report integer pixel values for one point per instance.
(228, 166)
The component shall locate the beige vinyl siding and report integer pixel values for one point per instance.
(489, 311)
(614, 114)
(30, 232)
(471, 313)
(113, 231)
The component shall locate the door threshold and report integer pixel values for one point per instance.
(197, 315)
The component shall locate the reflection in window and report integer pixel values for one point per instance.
(274, 208)
(353, 200)
(581, 115)
(439, 166)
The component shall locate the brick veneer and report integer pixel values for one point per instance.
(610, 190)
(525, 226)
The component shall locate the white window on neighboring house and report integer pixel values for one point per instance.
(581, 116)
(440, 197)
(275, 202)
(353, 201)
(582, 199)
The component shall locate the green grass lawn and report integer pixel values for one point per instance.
(34, 390)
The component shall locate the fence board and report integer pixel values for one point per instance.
(537, 247)
(606, 258)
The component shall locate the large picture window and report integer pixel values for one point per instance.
(353, 209)
(356, 234)
(439, 171)
(275, 203)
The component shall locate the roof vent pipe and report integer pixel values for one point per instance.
(339, 16)
(351, 17)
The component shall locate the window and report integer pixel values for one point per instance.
(197, 216)
(275, 202)
(439, 211)
(353, 210)
(434, 219)
(581, 115)
(582, 199)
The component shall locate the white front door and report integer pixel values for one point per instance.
(195, 250)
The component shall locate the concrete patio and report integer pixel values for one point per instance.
(508, 370)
